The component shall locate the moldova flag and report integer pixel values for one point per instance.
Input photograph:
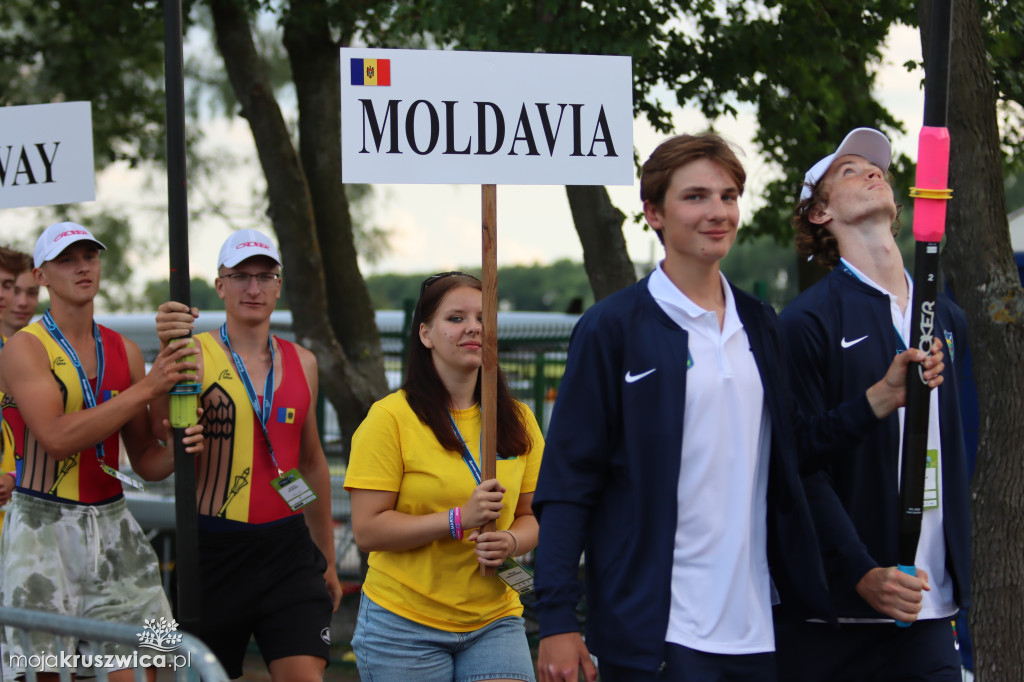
(286, 415)
(107, 395)
(371, 71)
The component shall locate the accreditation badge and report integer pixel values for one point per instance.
(931, 480)
(516, 576)
(121, 476)
(293, 489)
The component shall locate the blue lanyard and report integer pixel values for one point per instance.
(467, 456)
(262, 416)
(901, 345)
(88, 396)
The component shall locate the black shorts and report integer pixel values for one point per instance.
(266, 582)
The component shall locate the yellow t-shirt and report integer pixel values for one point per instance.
(438, 585)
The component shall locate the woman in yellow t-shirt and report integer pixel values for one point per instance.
(418, 503)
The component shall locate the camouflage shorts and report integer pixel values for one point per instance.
(90, 561)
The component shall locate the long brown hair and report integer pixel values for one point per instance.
(425, 391)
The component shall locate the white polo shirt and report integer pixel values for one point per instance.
(931, 548)
(721, 595)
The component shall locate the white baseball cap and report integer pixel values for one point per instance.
(872, 144)
(246, 244)
(58, 237)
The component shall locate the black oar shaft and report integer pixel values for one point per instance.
(186, 520)
(936, 78)
(929, 226)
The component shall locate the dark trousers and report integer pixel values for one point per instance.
(927, 651)
(688, 665)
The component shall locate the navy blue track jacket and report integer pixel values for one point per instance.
(609, 479)
(840, 340)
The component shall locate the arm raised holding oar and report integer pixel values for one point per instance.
(856, 358)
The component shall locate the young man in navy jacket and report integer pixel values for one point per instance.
(841, 336)
(671, 459)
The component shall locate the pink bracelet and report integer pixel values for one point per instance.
(455, 523)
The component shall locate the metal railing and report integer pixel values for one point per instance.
(531, 351)
(190, 658)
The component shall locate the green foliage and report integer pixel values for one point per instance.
(646, 30)
(1003, 21)
(393, 291)
(1015, 192)
(808, 67)
(550, 288)
(555, 287)
(109, 53)
(765, 268)
(211, 92)
(202, 294)
(113, 231)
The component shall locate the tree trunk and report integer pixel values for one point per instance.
(315, 70)
(978, 261)
(599, 225)
(292, 214)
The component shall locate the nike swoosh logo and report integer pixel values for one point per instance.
(846, 344)
(630, 378)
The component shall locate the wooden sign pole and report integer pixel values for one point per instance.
(489, 379)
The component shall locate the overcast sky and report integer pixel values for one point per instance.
(437, 227)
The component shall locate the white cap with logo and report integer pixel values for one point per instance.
(246, 244)
(58, 237)
(872, 144)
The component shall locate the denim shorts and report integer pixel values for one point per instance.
(390, 648)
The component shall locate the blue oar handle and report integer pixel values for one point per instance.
(909, 570)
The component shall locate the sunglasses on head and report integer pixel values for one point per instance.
(439, 276)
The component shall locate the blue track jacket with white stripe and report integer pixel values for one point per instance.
(609, 479)
(840, 340)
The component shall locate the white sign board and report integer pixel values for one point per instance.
(432, 116)
(46, 154)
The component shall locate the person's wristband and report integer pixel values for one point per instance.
(515, 541)
(455, 523)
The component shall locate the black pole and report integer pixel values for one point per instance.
(186, 519)
(936, 77)
(930, 195)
